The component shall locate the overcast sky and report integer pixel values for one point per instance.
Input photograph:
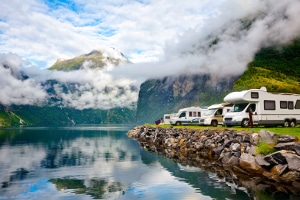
(162, 38)
(44, 30)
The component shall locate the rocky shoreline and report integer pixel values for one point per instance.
(230, 154)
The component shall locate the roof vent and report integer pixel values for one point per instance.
(263, 88)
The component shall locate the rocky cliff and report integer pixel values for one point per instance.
(161, 96)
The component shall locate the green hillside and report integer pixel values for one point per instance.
(277, 68)
(55, 116)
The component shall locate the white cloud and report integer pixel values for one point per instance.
(173, 38)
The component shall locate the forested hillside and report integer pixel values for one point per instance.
(277, 68)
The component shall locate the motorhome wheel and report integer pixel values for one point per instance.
(245, 123)
(286, 123)
(292, 124)
(178, 123)
(214, 123)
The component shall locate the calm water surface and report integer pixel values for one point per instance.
(93, 162)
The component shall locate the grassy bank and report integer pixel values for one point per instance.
(278, 130)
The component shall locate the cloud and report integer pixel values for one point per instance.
(234, 46)
(189, 37)
(15, 88)
(53, 30)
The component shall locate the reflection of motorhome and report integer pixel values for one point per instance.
(167, 118)
(188, 116)
(214, 115)
(267, 108)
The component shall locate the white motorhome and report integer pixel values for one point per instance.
(214, 115)
(188, 116)
(267, 108)
(167, 118)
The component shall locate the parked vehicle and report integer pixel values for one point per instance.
(267, 108)
(214, 115)
(167, 118)
(188, 116)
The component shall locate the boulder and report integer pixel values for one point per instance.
(290, 177)
(267, 137)
(293, 161)
(276, 158)
(278, 169)
(232, 161)
(261, 161)
(286, 138)
(294, 146)
(249, 164)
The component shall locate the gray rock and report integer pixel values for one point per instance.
(267, 137)
(286, 138)
(248, 163)
(235, 147)
(293, 161)
(295, 146)
(232, 161)
(276, 158)
(261, 161)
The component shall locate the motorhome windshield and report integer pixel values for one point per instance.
(210, 112)
(238, 107)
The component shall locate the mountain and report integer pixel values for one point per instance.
(168, 95)
(102, 59)
(58, 108)
(275, 67)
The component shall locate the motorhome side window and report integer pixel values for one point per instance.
(194, 114)
(199, 114)
(297, 106)
(290, 105)
(254, 95)
(283, 104)
(190, 114)
(269, 105)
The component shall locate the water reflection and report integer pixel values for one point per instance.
(95, 162)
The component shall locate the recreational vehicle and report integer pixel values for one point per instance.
(188, 116)
(215, 114)
(267, 108)
(167, 118)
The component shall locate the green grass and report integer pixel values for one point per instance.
(264, 148)
(278, 130)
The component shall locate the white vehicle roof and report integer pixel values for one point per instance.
(192, 108)
(240, 96)
(220, 105)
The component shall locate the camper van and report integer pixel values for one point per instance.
(167, 118)
(267, 108)
(214, 115)
(188, 116)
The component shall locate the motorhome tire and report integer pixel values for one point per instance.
(292, 124)
(245, 123)
(178, 123)
(214, 123)
(286, 123)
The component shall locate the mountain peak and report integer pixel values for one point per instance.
(101, 58)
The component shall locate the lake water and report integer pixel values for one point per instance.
(92, 162)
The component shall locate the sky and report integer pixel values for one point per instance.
(160, 39)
